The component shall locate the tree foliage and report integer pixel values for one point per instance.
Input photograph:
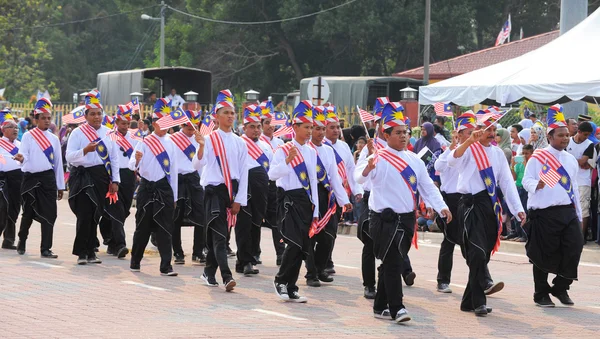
(367, 37)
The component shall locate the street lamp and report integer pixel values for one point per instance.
(191, 97)
(136, 95)
(408, 93)
(82, 96)
(162, 30)
(251, 95)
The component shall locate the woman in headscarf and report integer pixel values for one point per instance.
(428, 140)
(538, 137)
(503, 141)
(524, 136)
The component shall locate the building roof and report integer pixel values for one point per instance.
(469, 62)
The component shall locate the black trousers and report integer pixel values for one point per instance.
(217, 254)
(199, 242)
(290, 267)
(318, 254)
(368, 262)
(26, 221)
(540, 282)
(246, 237)
(389, 285)
(112, 231)
(271, 221)
(86, 229)
(141, 236)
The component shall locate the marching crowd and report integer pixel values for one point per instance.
(476, 183)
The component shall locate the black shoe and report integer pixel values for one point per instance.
(494, 288)
(239, 268)
(324, 277)
(209, 281)
(543, 300)
(281, 291)
(9, 245)
(179, 259)
(313, 282)
(296, 297)
(96, 249)
(279, 259)
(21, 247)
(564, 298)
(48, 254)
(409, 279)
(122, 252)
(168, 273)
(134, 267)
(329, 270)
(82, 260)
(197, 260)
(249, 270)
(93, 259)
(257, 260)
(110, 250)
(203, 259)
(229, 284)
(444, 288)
(481, 311)
(370, 292)
(488, 309)
(230, 252)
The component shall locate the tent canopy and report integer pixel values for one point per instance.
(560, 71)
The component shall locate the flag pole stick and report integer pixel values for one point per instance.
(364, 125)
(495, 122)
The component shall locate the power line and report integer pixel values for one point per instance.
(79, 21)
(260, 22)
(143, 41)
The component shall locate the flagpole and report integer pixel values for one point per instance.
(364, 125)
(495, 122)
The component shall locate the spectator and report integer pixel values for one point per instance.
(360, 144)
(439, 136)
(133, 124)
(572, 125)
(441, 121)
(503, 140)
(538, 137)
(583, 150)
(145, 127)
(425, 118)
(151, 100)
(424, 219)
(529, 120)
(176, 99)
(517, 167)
(515, 144)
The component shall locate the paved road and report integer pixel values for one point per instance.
(57, 298)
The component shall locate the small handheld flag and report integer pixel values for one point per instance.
(76, 116)
(207, 126)
(175, 118)
(549, 176)
(443, 110)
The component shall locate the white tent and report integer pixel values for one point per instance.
(565, 69)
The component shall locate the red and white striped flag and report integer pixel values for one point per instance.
(283, 131)
(174, 119)
(364, 115)
(207, 125)
(549, 176)
(504, 32)
(443, 110)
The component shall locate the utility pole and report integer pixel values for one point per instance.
(163, 8)
(427, 42)
(572, 12)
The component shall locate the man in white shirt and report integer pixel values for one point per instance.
(393, 209)
(223, 157)
(331, 196)
(190, 200)
(294, 168)
(11, 178)
(43, 178)
(176, 99)
(583, 150)
(271, 215)
(94, 173)
(482, 167)
(250, 219)
(439, 136)
(554, 241)
(154, 160)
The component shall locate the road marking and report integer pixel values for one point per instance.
(597, 307)
(451, 284)
(46, 264)
(277, 314)
(69, 223)
(344, 266)
(129, 282)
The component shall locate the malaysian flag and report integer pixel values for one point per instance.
(175, 118)
(492, 112)
(504, 32)
(443, 110)
(285, 130)
(136, 134)
(549, 176)
(135, 104)
(364, 115)
(207, 126)
(76, 116)
(280, 118)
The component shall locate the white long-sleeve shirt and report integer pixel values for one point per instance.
(9, 164)
(557, 195)
(285, 177)
(184, 164)
(237, 157)
(469, 179)
(448, 175)
(124, 159)
(389, 190)
(78, 141)
(325, 153)
(35, 161)
(345, 153)
(362, 161)
(150, 169)
(275, 142)
(266, 148)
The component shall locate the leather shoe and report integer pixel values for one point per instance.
(21, 247)
(370, 292)
(313, 282)
(49, 254)
(564, 298)
(324, 277)
(249, 270)
(488, 309)
(9, 245)
(409, 279)
(481, 311)
(122, 252)
(543, 300)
